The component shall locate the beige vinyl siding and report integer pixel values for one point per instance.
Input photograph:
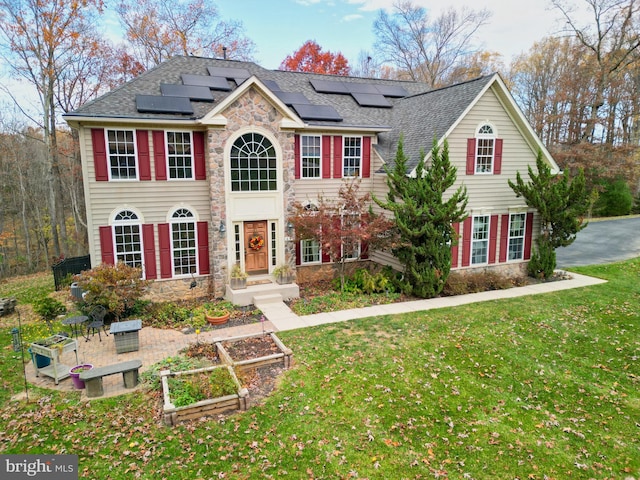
(491, 191)
(155, 200)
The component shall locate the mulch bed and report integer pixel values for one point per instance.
(252, 347)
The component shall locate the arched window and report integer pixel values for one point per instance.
(253, 164)
(485, 149)
(127, 238)
(183, 242)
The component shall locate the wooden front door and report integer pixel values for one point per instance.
(256, 248)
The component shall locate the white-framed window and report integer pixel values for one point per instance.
(180, 155)
(350, 244)
(485, 149)
(184, 250)
(121, 150)
(351, 156)
(253, 164)
(517, 222)
(127, 238)
(310, 155)
(480, 240)
(310, 251)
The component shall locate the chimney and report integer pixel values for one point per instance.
(224, 53)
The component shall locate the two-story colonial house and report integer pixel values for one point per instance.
(193, 166)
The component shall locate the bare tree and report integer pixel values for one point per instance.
(157, 30)
(424, 49)
(41, 40)
(612, 40)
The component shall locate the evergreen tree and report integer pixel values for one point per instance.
(562, 204)
(424, 219)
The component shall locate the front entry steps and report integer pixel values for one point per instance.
(271, 292)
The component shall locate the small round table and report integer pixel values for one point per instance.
(74, 323)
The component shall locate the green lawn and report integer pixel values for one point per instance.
(545, 386)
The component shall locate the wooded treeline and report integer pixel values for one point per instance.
(580, 90)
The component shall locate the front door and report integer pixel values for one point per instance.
(256, 250)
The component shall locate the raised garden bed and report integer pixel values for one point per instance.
(254, 351)
(174, 414)
(249, 355)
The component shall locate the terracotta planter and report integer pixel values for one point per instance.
(217, 320)
(75, 372)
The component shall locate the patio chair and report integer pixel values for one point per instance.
(96, 322)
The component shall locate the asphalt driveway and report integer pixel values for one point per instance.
(603, 241)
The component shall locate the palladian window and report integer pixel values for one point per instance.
(253, 164)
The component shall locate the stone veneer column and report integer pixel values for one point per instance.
(218, 251)
(252, 109)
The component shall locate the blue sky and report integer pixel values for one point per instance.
(279, 27)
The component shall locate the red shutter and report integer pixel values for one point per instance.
(497, 158)
(454, 245)
(199, 156)
(366, 157)
(364, 250)
(528, 235)
(296, 147)
(298, 253)
(466, 242)
(203, 248)
(150, 270)
(337, 157)
(504, 238)
(99, 154)
(471, 156)
(144, 163)
(493, 237)
(106, 245)
(325, 253)
(326, 156)
(159, 158)
(164, 240)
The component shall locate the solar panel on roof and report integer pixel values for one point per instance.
(329, 86)
(160, 104)
(395, 91)
(271, 85)
(317, 112)
(192, 92)
(362, 88)
(289, 98)
(239, 75)
(216, 83)
(371, 100)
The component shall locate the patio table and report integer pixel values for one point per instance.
(74, 323)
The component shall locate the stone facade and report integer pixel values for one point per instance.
(250, 111)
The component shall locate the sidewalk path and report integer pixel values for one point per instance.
(283, 318)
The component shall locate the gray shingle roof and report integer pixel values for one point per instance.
(419, 116)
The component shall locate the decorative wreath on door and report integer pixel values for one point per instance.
(256, 242)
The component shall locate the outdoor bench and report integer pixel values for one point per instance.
(93, 378)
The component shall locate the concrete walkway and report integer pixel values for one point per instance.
(283, 318)
(157, 344)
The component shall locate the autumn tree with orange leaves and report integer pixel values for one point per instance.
(310, 58)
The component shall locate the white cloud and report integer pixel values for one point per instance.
(351, 18)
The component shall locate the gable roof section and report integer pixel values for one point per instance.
(434, 114)
(421, 118)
